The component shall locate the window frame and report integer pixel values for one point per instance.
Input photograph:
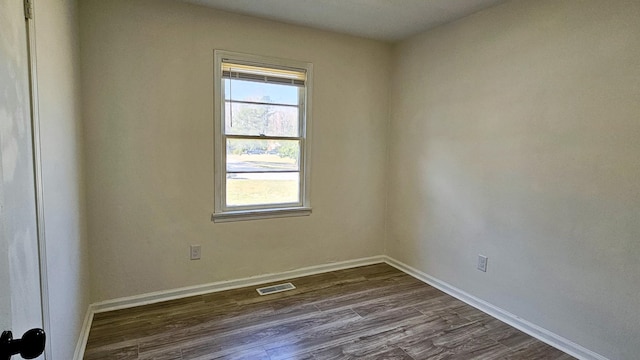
(224, 213)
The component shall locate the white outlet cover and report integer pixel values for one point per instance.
(196, 252)
(482, 263)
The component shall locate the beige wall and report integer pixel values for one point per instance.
(61, 141)
(147, 71)
(515, 134)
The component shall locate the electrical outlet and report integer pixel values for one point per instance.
(482, 263)
(196, 251)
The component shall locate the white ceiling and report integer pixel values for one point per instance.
(387, 20)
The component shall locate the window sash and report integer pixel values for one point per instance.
(300, 138)
(300, 106)
(300, 172)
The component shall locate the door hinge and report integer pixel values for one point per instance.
(28, 9)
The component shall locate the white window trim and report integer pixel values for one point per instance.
(221, 214)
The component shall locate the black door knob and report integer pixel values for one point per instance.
(29, 347)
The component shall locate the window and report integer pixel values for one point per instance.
(262, 108)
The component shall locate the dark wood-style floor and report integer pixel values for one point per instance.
(371, 312)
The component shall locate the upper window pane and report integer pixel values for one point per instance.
(259, 119)
(240, 90)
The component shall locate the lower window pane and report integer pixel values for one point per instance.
(263, 188)
(250, 155)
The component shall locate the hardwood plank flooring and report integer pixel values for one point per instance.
(370, 312)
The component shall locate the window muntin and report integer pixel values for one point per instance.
(262, 125)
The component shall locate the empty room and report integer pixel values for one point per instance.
(320, 179)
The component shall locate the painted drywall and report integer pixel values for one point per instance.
(58, 70)
(514, 134)
(19, 280)
(147, 84)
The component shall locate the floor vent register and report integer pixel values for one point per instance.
(275, 289)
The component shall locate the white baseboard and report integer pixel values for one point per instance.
(84, 334)
(523, 325)
(159, 296)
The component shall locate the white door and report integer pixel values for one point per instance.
(20, 299)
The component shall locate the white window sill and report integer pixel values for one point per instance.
(243, 215)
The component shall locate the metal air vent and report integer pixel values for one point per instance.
(275, 289)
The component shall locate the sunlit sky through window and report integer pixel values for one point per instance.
(257, 91)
